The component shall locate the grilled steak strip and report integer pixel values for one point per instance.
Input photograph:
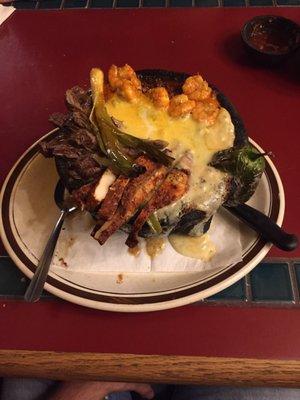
(173, 188)
(111, 201)
(81, 195)
(137, 192)
(79, 99)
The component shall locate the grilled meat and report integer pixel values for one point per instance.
(75, 150)
(173, 188)
(79, 99)
(82, 195)
(110, 203)
(137, 192)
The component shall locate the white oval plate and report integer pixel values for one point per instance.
(27, 206)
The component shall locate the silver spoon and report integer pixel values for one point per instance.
(36, 286)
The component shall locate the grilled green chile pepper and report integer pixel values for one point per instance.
(154, 224)
(246, 166)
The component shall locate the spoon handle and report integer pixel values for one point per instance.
(36, 286)
(262, 224)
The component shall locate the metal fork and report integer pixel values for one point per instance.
(36, 286)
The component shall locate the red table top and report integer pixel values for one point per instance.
(45, 52)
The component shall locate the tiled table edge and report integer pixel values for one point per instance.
(267, 293)
(83, 4)
(275, 282)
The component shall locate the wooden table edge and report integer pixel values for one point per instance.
(150, 368)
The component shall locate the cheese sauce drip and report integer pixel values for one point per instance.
(192, 144)
(155, 245)
(193, 246)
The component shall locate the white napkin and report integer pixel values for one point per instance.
(224, 233)
(78, 251)
(5, 12)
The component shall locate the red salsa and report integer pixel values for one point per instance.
(270, 37)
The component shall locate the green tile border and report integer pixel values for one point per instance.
(75, 3)
(235, 292)
(101, 3)
(271, 282)
(38, 4)
(252, 290)
(25, 4)
(13, 282)
(252, 299)
(49, 4)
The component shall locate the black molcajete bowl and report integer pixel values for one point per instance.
(279, 29)
(173, 81)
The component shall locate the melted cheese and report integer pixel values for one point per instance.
(192, 144)
(143, 120)
(200, 247)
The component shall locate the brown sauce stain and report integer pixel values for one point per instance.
(70, 242)
(155, 245)
(62, 262)
(120, 279)
(135, 251)
(65, 246)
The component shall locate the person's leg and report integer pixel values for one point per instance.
(25, 389)
(233, 393)
(42, 389)
(162, 392)
(119, 396)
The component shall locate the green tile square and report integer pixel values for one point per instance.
(75, 3)
(206, 3)
(13, 282)
(49, 4)
(271, 281)
(127, 3)
(180, 3)
(101, 3)
(233, 292)
(25, 5)
(288, 2)
(154, 3)
(234, 3)
(260, 3)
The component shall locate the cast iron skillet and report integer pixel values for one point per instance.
(173, 81)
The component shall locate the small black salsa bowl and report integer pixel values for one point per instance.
(271, 39)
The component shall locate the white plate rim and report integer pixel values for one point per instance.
(144, 307)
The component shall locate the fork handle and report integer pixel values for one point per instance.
(36, 286)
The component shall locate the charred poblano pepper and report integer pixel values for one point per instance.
(108, 143)
(112, 141)
(245, 165)
(154, 224)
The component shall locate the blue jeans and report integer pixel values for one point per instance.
(33, 389)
